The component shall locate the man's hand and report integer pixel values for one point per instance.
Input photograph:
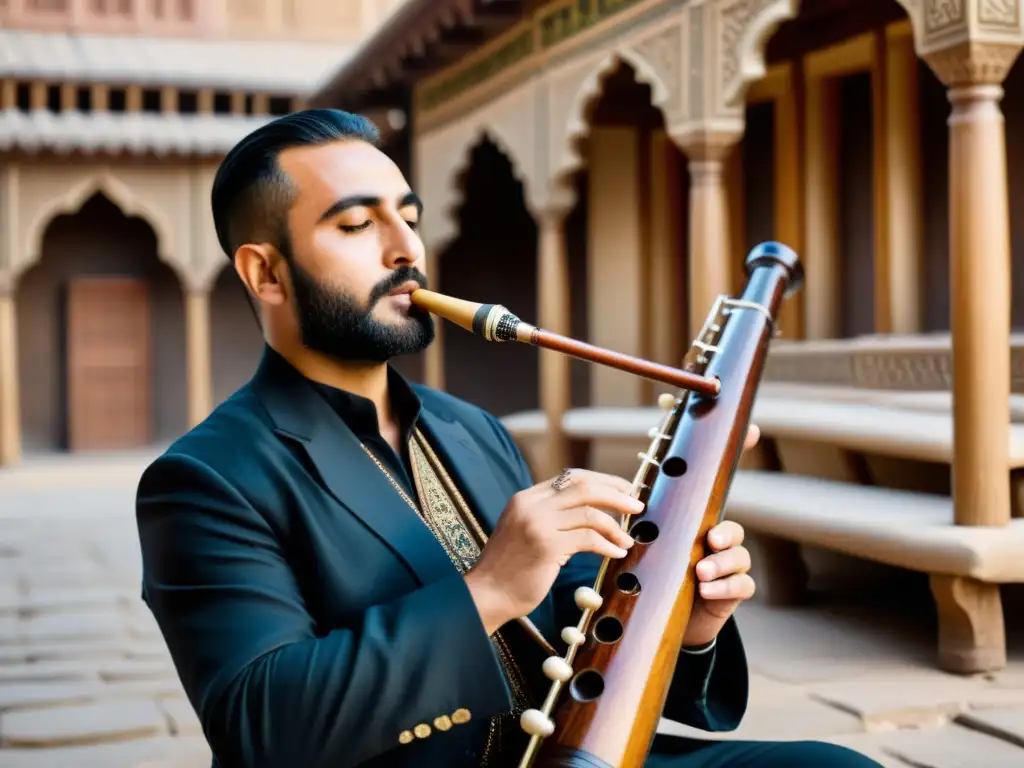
(723, 583)
(540, 529)
(723, 578)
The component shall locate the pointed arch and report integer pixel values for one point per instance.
(122, 195)
(751, 29)
(570, 115)
(747, 28)
(444, 162)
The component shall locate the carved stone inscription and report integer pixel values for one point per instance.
(999, 13)
(940, 15)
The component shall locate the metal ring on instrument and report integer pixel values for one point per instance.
(561, 482)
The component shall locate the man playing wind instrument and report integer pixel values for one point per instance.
(338, 559)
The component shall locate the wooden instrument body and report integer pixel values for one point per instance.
(635, 638)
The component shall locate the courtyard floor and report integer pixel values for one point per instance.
(86, 682)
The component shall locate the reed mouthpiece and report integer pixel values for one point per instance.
(492, 321)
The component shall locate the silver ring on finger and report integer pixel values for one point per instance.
(563, 480)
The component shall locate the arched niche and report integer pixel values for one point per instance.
(575, 92)
(442, 159)
(492, 259)
(100, 182)
(101, 336)
(626, 234)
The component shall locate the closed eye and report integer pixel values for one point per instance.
(355, 227)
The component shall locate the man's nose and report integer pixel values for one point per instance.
(403, 247)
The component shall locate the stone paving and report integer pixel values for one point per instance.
(85, 680)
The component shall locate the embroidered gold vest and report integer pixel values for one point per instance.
(456, 528)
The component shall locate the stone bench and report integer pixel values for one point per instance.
(916, 531)
(914, 433)
(902, 528)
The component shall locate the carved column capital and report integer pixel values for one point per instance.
(707, 143)
(973, 62)
(724, 52)
(551, 203)
(968, 42)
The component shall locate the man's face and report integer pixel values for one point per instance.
(354, 248)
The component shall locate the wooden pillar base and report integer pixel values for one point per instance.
(972, 636)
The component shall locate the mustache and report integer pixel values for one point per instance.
(394, 280)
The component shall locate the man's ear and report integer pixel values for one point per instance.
(257, 267)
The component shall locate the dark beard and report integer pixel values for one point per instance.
(336, 325)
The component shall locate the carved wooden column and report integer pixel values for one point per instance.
(710, 252)
(10, 402)
(979, 228)
(200, 372)
(553, 305)
(10, 408)
(988, 39)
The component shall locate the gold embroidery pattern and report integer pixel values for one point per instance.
(448, 516)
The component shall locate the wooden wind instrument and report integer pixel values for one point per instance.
(622, 654)
(495, 323)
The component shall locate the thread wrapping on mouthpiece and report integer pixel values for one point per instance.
(495, 323)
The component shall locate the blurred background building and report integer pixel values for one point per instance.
(602, 167)
(119, 325)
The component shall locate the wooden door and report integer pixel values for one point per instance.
(107, 363)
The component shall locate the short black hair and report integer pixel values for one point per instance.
(251, 195)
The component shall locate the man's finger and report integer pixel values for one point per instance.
(726, 534)
(737, 587)
(575, 475)
(753, 435)
(722, 564)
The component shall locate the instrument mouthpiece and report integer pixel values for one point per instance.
(492, 321)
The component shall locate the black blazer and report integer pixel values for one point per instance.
(313, 618)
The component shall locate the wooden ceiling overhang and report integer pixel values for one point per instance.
(419, 39)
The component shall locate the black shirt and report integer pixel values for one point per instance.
(360, 414)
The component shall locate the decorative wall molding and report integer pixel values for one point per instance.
(698, 57)
(920, 364)
(551, 29)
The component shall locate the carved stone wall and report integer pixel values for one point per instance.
(921, 363)
(654, 52)
(698, 57)
(671, 45)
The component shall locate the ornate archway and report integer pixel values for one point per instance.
(101, 182)
(100, 335)
(444, 155)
